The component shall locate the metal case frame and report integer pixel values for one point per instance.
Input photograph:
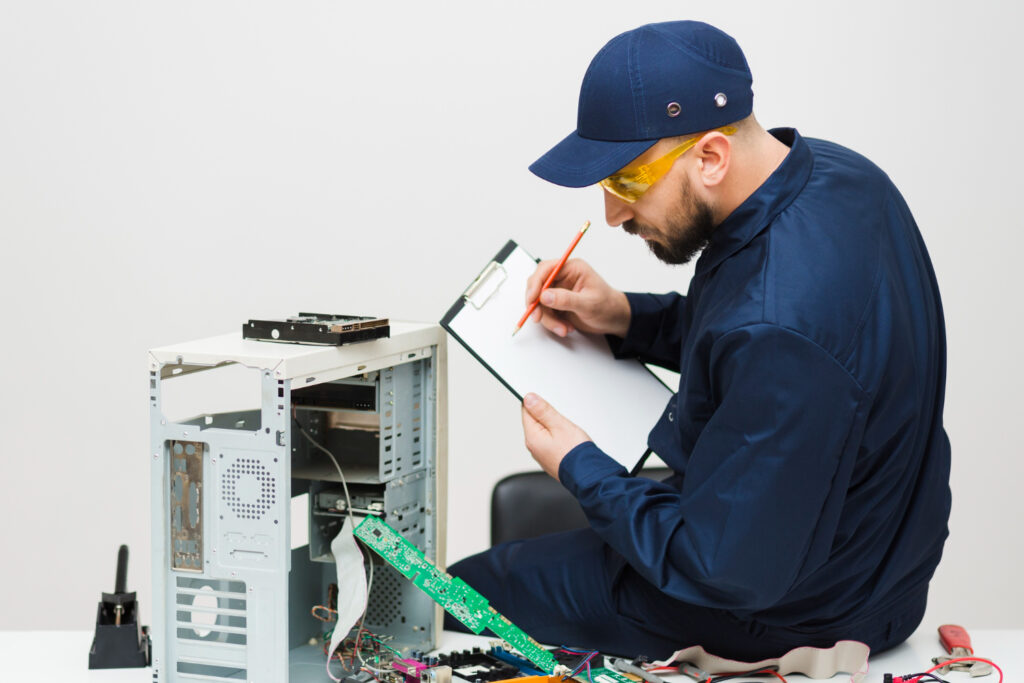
(231, 595)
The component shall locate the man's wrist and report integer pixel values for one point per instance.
(622, 319)
(586, 464)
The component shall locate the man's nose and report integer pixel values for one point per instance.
(616, 211)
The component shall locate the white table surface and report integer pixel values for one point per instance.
(62, 656)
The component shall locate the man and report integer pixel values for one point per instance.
(811, 492)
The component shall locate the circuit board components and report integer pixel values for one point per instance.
(457, 597)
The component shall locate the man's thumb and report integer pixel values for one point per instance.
(560, 299)
(538, 408)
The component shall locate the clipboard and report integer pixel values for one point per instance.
(616, 402)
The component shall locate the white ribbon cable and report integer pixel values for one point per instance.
(352, 592)
(849, 656)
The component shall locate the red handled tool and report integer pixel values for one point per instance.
(958, 644)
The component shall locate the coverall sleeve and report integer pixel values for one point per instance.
(657, 327)
(752, 515)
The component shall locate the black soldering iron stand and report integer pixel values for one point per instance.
(120, 643)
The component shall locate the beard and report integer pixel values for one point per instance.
(690, 226)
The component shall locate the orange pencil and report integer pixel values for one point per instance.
(551, 278)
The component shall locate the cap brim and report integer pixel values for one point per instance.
(578, 162)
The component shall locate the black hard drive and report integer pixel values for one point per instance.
(324, 329)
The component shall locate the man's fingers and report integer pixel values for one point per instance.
(534, 282)
(553, 322)
(561, 299)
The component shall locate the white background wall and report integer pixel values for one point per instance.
(168, 170)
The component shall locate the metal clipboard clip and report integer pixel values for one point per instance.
(485, 285)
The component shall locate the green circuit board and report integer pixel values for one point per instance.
(605, 675)
(456, 596)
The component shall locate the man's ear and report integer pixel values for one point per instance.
(714, 154)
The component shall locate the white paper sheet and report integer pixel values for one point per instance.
(616, 402)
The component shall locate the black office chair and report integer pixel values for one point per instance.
(531, 504)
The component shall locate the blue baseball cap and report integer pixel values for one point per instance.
(656, 81)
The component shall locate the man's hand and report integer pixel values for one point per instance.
(549, 436)
(578, 299)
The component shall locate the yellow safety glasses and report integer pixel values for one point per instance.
(630, 183)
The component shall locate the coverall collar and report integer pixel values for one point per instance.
(767, 202)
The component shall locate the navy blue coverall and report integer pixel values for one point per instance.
(811, 495)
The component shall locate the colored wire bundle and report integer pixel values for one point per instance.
(758, 672)
(723, 677)
(914, 678)
(324, 613)
(329, 612)
(587, 655)
(370, 646)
